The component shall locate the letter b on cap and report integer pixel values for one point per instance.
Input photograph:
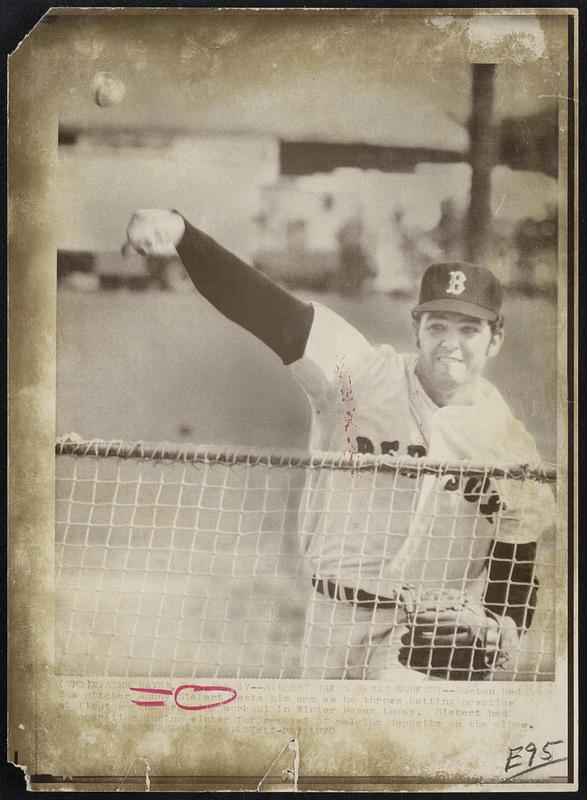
(457, 282)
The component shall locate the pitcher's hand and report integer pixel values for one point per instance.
(154, 232)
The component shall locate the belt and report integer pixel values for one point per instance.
(357, 597)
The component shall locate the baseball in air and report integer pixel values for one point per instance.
(108, 89)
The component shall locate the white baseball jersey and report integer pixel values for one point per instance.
(380, 531)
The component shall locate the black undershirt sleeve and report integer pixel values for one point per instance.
(512, 585)
(246, 296)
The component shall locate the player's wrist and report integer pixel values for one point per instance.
(509, 633)
(502, 621)
(501, 639)
(178, 227)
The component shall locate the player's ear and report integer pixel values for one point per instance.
(416, 329)
(495, 343)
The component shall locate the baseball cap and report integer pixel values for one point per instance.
(463, 288)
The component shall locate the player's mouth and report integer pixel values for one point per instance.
(449, 359)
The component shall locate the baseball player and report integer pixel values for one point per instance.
(437, 580)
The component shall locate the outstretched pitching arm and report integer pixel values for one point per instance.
(236, 289)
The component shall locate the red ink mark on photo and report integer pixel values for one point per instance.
(196, 688)
(150, 703)
(347, 397)
(346, 391)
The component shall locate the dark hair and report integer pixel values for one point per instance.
(495, 327)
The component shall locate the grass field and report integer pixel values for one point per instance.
(157, 578)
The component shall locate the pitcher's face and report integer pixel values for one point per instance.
(454, 348)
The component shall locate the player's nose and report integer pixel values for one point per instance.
(451, 340)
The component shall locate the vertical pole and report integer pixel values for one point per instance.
(482, 155)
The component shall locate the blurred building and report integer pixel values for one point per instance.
(316, 215)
